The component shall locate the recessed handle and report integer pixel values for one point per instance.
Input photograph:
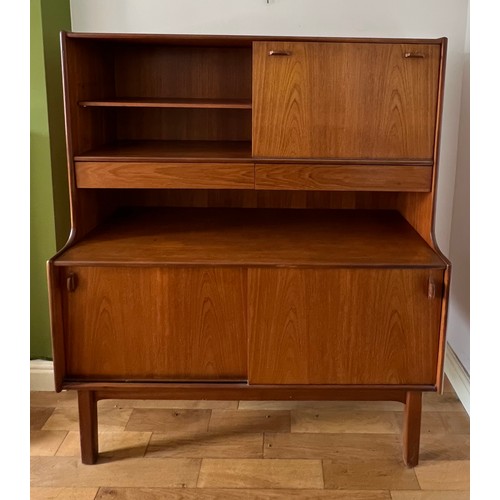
(414, 55)
(280, 53)
(431, 289)
(71, 282)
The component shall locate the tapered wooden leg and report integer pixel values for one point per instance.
(411, 428)
(87, 409)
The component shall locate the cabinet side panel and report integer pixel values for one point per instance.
(54, 281)
(88, 73)
(356, 326)
(156, 323)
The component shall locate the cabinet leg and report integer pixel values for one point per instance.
(87, 409)
(411, 428)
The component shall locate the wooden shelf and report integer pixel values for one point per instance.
(170, 151)
(254, 237)
(198, 103)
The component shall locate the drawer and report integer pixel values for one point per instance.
(164, 175)
(343, 177)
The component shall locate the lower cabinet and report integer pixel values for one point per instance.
(344, 326)
(264, 325)
(156, 323)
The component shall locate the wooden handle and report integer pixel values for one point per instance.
(431, 290)
(280, 53)
(415, 55)
(71, 282)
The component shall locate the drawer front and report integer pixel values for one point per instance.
(155, 323)
(343, 177)
(164, 175)
(343, 326)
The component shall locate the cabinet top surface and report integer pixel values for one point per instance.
(234, 39)
(254, 237)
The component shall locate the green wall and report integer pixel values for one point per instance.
(49, 207)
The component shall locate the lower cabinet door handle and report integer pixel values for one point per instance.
(431, 290)
(71, 282)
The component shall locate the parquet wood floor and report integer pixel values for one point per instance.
(192, 450)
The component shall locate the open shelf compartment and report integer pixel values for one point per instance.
(254, 237)
(134, 93)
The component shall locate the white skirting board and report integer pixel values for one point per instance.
(42, 376)
(458, 377)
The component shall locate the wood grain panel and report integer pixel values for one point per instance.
(427, 495)
(143, 124)
(170, 151)
(116, 445)
(351, 474)
(444, 474)
(344, 100)
(133, 472)
(305, 325)
(343, 178)
(186, 444)
(48, 493)
(418, 210)
(55, 281)
(92, 207)
(65, 418)
(165, 420)
(156, 323)
(358, 447)
(260, 473)
(242, 391)
(38, 417)
(241, 421)
(244, 237)
(263, 199)
(88, 74)
(343, 421)
(157, 70)
(444, 446)
(107, 493)
(164, 175)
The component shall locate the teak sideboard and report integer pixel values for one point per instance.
(252, 218)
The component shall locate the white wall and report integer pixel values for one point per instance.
(354, 18)
(459, 313)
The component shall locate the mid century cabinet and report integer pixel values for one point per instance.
(252, 218)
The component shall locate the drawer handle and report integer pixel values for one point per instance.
(414, 55)
(279, 53)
